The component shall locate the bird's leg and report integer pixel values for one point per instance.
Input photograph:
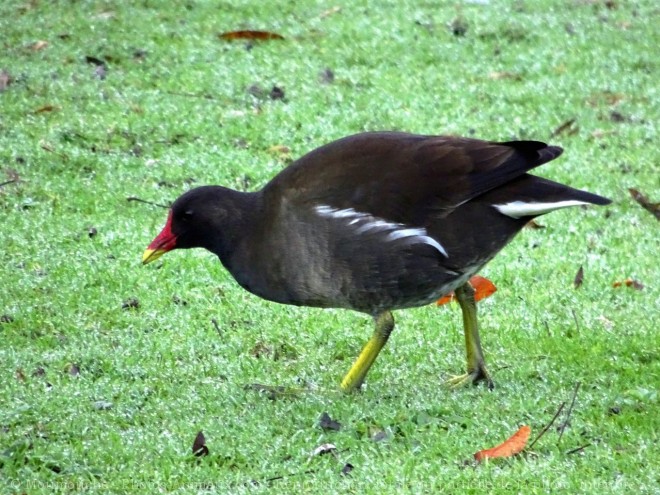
(476, 365)
(355, 376)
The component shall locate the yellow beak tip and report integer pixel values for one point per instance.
(150, 255)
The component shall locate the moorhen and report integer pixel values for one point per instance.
(375, 222)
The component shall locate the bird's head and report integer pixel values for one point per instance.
(199, 218)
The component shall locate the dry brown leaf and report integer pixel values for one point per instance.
(12, 174)
(600, 133)
(73, 369)
(328, 424)
(100, 71)
(280, 150)
(644, 202)
(579, 278)
(605, 97)
(100, 66)
(609, 324)
(250, 35)
(458, 26)
(618, 117)
(272, 392)
(323, 449)
(20, 375)
(512, 446)
(46, 108)
(5, 80)
(38, 45)
(260, 349)
(199, 448)
(131, 303)
(276, 93)
(568, 127)
(327, 76)
(105, 16)
(94, 60)
(329, 12)
(47, 147)
(499, 75)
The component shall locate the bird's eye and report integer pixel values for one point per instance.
(187, 215)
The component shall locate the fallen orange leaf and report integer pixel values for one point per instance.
(482, 286)
(533, 224)
(445, 299)
(250, 35)
(629, 282)
(515, 444)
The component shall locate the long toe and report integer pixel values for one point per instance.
(471, 378)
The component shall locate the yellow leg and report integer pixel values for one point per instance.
(476, 365)
(355, 376)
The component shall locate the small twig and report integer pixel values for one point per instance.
(547, 427)
(578, 449)
(290, 475)
(547, 327)
(8, 182)
(577, 323)
(217, 327)
(191, 95)
(301, 473)
(47, 147)
(569, 412)
(139, 200)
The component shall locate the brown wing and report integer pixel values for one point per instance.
(404, 177)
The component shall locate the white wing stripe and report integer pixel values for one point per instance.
(432, 242)
(370, 223)
(517, 209)
(422, 237)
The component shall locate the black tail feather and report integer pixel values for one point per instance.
(532, 188)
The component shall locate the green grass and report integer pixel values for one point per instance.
(99, 399)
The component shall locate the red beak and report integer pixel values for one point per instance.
(164, 242)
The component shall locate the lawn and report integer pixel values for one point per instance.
(108, 369)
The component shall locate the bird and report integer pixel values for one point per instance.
(375, 222)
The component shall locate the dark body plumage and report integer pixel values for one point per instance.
(373, 222)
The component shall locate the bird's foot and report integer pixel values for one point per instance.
(472, 377)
